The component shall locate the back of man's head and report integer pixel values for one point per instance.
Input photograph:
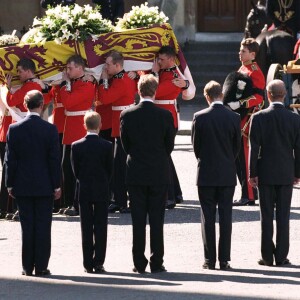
(26, 64)
(33, 99)
(213, 90)
(92, 120)
(147, 85)
(276, 90)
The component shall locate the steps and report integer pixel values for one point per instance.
(211, 57)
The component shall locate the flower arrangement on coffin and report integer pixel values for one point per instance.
(141, 16)
(9, 39)
(68, 22)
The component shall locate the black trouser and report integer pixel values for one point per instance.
(119, 171)
(59, 202)
(248, 191)
(148, 201)
(93, 221)
(272, 196)
(211, 198)
(69, 181)
(35, 218)
(174, 189)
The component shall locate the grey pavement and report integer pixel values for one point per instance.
(185, 278)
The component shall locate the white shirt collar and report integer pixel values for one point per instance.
(276, 102)
(146, 100)
(217, 102)
(31, 113)
(91, 133)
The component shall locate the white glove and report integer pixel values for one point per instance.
(234, 105)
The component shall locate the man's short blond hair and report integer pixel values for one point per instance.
(147, 85)
(213, 89)
(92, 120)
(277, 90)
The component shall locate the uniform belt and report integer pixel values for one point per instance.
(58, 105)
(164, 102)
(121, 107)
(76, 113)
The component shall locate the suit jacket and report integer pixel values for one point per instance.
(91, 159)
(32, 158)
(216, 138)
(275, 146)
(147, 135)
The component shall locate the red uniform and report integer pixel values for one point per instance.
(76, 101)
(58, 109)
(120, 93)
(167, 91)
(253, 103)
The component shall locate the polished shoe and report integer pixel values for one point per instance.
(262, 262)
(62, 211)
(125, 210)
(113, 208)
(9, 216)
(282, 263)
(55, 210)
(179, 199)
(99, 269)
(159, 270)
(241, 202)
(224, 265)
(43, 273)
(26, 273)
(16, 216)
(251, 203)
(170, 204)
(209, 266)
(71, 212)
(88, 270)
(135, 270)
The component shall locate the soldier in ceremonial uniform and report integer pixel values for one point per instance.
(45, 3)
(248, 50)
(111, 9)
(118, 89)
(25, 70)
(77, 97)
(171, 84)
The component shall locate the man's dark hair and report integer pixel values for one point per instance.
(117, 57)
(251, 44)
(33, 99)
(168, 51)
(77, 60)
(26, 64)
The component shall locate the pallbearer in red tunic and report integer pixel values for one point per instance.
(77, 97)
(25, 70)
(171, 84)
(248, 51)
(118, 90)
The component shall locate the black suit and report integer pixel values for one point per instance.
(275, 160)
(216, 140)
(147, 135)
(91, 159)
(33, 172)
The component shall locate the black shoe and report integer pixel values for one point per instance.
(209, 266)
(16, 216)
(262, 262)
(55, 210)
(26, 273)
(251, 203)
(72, 212)
(113, 208)
(135, 270)
(125, 210)
(43, 273)
(170, 204)
(9, 216)
(88, 270)
(99, 269)
(159, 270)
(62, 211)
(2, 215)
(179, 199)
(224, 265)
(282, 263)
(241, 202)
